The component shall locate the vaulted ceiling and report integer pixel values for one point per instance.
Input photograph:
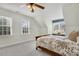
(50, 8)
(43, 17)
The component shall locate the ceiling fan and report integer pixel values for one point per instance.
(33, 6)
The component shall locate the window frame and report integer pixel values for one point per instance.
(7, 25)
(28, 26)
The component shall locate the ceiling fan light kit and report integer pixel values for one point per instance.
(33, 6)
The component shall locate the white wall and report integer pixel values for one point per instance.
(71, 16)
(42, 25)
(17, 36)
(52, 11)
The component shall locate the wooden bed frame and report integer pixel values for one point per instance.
(46, 50)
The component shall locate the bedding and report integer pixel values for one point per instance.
(59, 44)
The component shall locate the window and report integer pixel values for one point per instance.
(5, 25)
(25, 27)
(59, 27)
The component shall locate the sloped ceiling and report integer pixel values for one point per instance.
(43, 17)
(50, 8)
(21, 8)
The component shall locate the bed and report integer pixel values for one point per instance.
(58, 44)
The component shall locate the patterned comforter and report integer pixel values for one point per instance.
(59, 44)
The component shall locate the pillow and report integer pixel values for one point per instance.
(73, 36)
(78, 39)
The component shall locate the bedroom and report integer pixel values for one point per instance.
(24, 26)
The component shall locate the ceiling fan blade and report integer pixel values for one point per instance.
(39, 6)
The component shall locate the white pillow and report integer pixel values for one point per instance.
(78, 39)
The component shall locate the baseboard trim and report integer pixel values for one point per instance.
(15, 43)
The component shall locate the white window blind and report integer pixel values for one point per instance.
(5, 25)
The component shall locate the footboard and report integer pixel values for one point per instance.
(39, 37)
